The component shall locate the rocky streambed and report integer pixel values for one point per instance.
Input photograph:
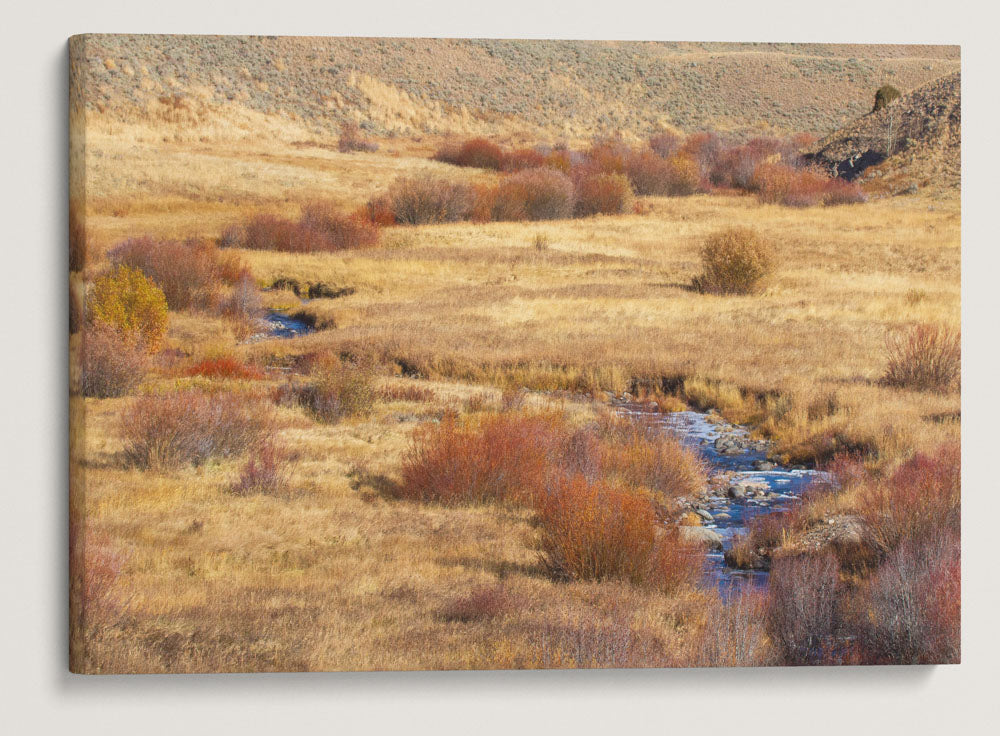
(743, 484)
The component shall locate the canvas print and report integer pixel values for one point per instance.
(417, 354)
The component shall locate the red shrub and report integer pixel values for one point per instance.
(188, 272)
(189, 427)
(922, 496)
(524, 158)
(506, 458)
(777, 183)
(927, 358)
(649, 173)
(481, 154)
(448, 153)
(266, 472)
(111, 364)
(909, 611)
(559, 158)
(800, 614)
(224, 367)
(841, 191)
(606, 194)
(596, 531)
(704, 149)
(320, 229)
(534, 194)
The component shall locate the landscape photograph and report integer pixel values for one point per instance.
(485, 354)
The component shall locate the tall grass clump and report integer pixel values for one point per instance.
(111, 364)
(735, 261)
(427, 199)
(600, 531)
(130, 303)
(191, 426)
(926, 357)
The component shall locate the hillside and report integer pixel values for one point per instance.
(553, 89)
(924, 129)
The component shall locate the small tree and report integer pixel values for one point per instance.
(884, 95)
(128, 301)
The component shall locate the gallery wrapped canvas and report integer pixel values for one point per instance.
(406, 354)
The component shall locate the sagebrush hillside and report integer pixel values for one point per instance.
(559, 89)
(918, 137)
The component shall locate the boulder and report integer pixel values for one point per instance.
(704, 514)
(763, 465)
(700, 535)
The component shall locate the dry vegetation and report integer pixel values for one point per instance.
(300, 528)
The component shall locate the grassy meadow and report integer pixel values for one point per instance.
(338, 569)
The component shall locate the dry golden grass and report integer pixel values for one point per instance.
(335, 574)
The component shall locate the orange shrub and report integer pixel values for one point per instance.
(608, 156)
(645, 457)
(336, 231)
(191, 426)
(606, 194)
(534, 194)
(704, 149)
(926, 357)
(841, 191)
(127, 301)
(224, 366)
(598, 531)
(481, 154)
(111, 364)
(505, 458)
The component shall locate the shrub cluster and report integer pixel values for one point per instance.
(224, 366)
(669, 165)
(735, 261)
(319, 229)
(427, 199)
(188, 272)
(599, 516)
(128, 302)
(192, 426)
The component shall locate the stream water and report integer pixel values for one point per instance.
(740, 465)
